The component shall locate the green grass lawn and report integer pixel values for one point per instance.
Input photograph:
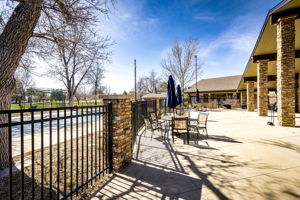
(54, 104)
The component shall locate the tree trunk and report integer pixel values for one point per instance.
(13, 43)
(71, 99)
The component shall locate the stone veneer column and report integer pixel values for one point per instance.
(262, 87)
(209, 98)
(243, 98)
(250, 96)
(121, 130)
(298, 92)
(201, 98)
(286, 71)
(157, 106)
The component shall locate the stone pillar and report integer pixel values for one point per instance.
(121, 130)
(158, 111)
(262, 87)
(243, 98)
(298, 92)
(234, 95)
(201, 98)
(250, 96)
(286, 71)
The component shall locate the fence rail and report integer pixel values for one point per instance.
(140, 109)
(55, 152)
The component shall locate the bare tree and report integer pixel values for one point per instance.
(94, 78)
(80, 94)
(162, 87)
(77, 52)
(141, 86)
(23, 23)
(180, 62)
(24, 81)
(152, 82)
(148, 84)
(107, 90)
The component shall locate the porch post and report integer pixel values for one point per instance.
(243, 98)
(286, 70)
(262, 87)
(250, 96)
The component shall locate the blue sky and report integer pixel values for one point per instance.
(146, 29)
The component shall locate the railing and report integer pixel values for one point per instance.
(55, 152)
(140, 109)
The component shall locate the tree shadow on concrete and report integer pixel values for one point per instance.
(203, 137)
(283, 144)
(183, 171)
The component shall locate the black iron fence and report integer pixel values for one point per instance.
(54, 153)
(140, 109)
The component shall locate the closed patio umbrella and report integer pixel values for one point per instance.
(171, 96)
(197, 96)
(179, 94)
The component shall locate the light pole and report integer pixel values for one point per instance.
(134, 79)
(196, 77)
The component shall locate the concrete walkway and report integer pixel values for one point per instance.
(243, 158)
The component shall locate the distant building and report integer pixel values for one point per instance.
(160, 99)
(217, 92)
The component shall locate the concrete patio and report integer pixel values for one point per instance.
(243, 158)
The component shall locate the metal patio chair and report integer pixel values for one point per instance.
(155, 119)
(180, 125)
(201, 123)
(149, 125)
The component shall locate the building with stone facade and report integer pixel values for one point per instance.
(159, 97)
(217, 92)
(274, 64)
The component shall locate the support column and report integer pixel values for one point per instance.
(243, 98)
(298, 93)
(250, 96)
(121, 130)
(158, 106)
(201, 98)
(262, 87)
(286, 71)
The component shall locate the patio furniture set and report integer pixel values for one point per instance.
(179, 123)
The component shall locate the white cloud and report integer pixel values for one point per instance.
(126, 16)
(204, 18)
(229, 53)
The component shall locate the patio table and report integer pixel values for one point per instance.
(168, 121)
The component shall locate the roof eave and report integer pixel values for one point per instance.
(271, 11)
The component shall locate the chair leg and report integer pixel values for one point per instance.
(173, 137)
(206, 132)
(188, 137)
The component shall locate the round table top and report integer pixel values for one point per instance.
(167, 117)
